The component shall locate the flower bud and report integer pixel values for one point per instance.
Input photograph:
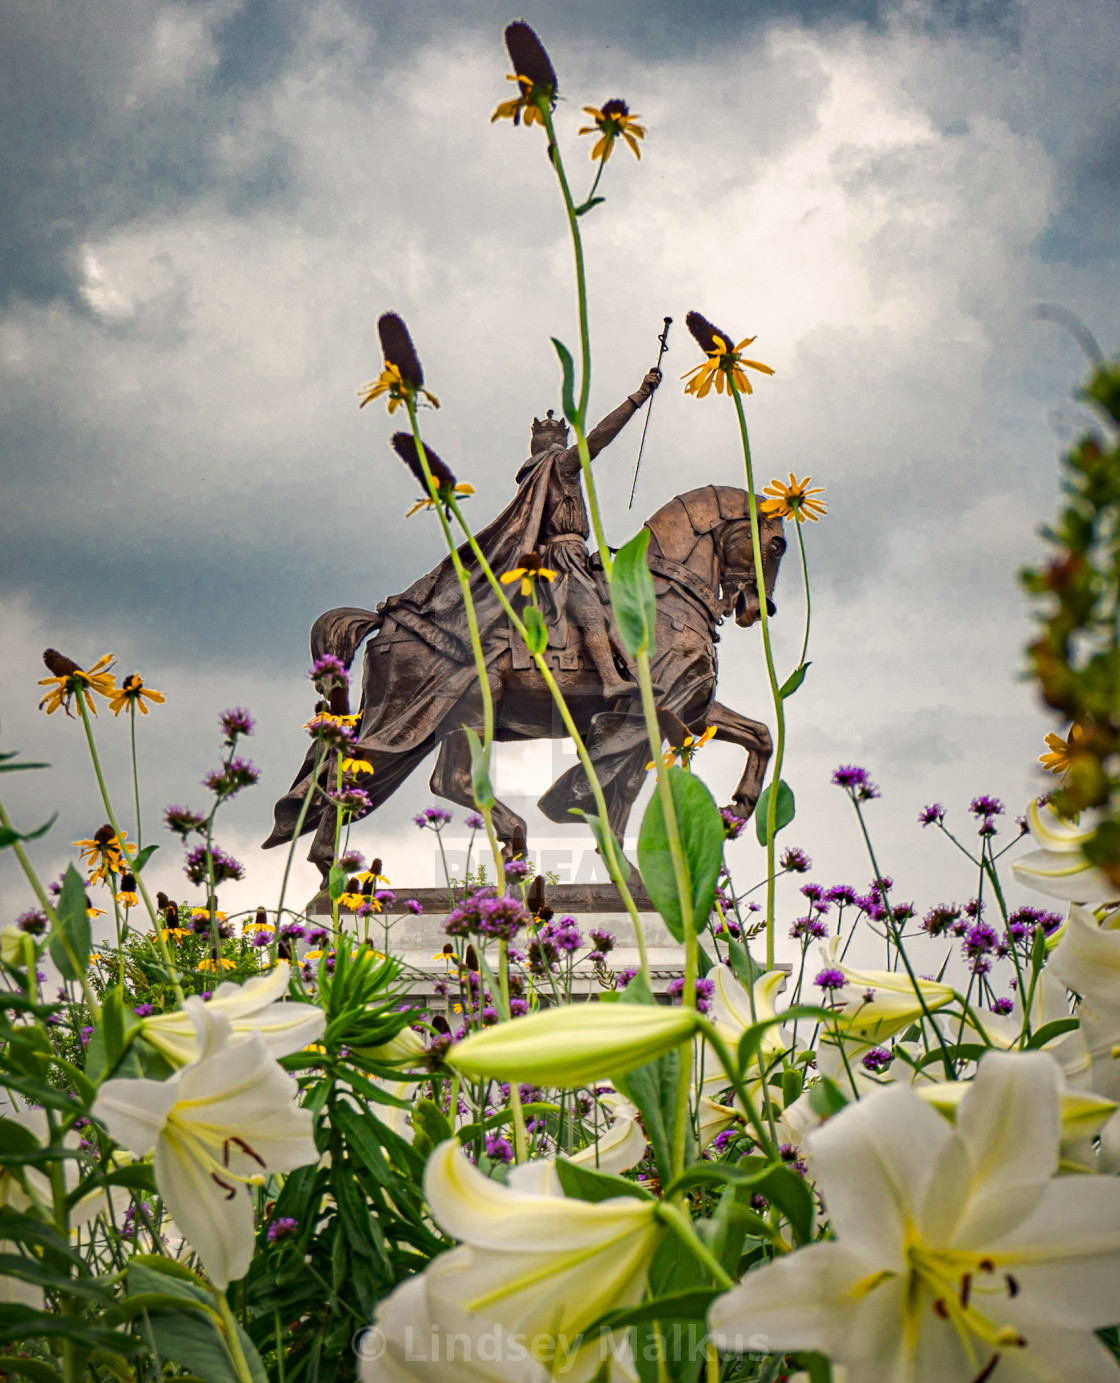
(398, 350)
(574, 1045)
(404, 444)
(527, 53)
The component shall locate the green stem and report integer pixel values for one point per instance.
(305, 806)
(520, 1139)
(233, 1341)
(808, 596)
(950, 1069)
(611, 854)
(580, 420)
(779, 712)
(684, 894)
(52, 916)
(673, 1217)
(476, 639)
(730, 1065)
(135, 775)
(153, 915)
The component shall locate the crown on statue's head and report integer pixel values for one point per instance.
(549, 432)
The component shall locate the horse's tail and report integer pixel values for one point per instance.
(340, 631)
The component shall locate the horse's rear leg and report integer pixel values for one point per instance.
(451, 778)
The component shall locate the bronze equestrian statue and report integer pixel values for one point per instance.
(420, 685)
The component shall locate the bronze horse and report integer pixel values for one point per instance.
(420, 685)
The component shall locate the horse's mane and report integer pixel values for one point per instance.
(678, 524)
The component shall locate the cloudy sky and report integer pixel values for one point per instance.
(209, 203)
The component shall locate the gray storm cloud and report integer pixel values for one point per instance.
(225, 196)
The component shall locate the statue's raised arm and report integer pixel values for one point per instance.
(605, 431)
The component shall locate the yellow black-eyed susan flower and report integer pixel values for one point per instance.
(127, 897)
(69, 680)
(216, 963)
(795, 500)
(356, 766)
(105, 854)
(260, 923)
(724, 365)
(690, 745)
(1062, 751)
(404, 444)
(534, 74)
(528, 572)
(133, 693)
(402, 377)
(613, 121)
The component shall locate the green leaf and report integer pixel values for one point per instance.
(536, 631)
(742, 966)
(112, 1035)
(568, 387)
(70, 942)
(584, 1183)
(16, 1140)
(633, 599)
(336, 882)
(431, 1120)
(31, 1368)
(143, 857)
(138, 1177)
(600, 834)
(480, 768)
(585, 207)
(783, 816)
(1050, 1031)
(794, 680)
(751, 1039)
(186, 1336)
(653, 1088)
(678, 1306)
(702, 838)
(790, 1193)
(9, 835)
(826, 1098)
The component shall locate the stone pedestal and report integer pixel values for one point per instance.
(418, 940)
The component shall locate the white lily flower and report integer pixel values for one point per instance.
(622, 1145)
(532, 1264)
(1058, 867)
(257, 1006)
(1083, 1115)
(734, 1010)
(879, 1003)
(219, 1126)
(1087, 959)
(957, 1251)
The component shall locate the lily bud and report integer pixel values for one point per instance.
(574, 1045)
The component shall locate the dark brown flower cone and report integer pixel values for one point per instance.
(261, 917)
(615, 106)
(128, 883)
(398, 350)
(339, 702)
(58, 665)
(375, 866)
(527, 53)
(104, 835)
(404, 444)
(705, 332)
(535, 896)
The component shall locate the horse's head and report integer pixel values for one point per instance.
(708, 530)
(738, 579)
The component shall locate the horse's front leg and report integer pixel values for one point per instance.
(451, 778)
(754, 737)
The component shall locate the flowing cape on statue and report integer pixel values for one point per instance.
(432, 609)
